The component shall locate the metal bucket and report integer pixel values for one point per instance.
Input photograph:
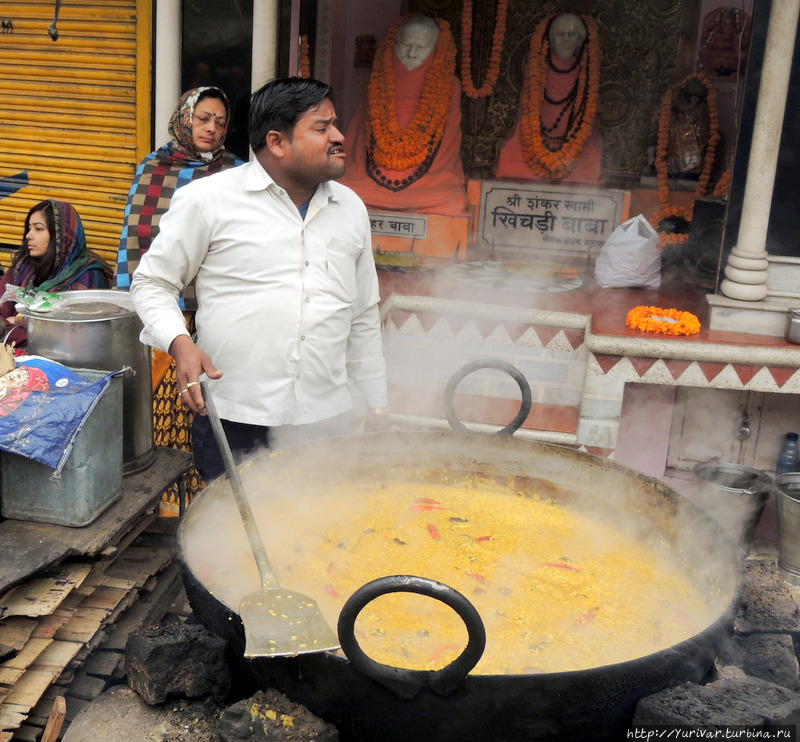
(788, 496)
(99, 329)
(734, 496)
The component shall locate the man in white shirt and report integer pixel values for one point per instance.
(285, 280)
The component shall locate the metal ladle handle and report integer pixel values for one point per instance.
(515, 373)
(265, 571)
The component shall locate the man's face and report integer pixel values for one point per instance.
(414, 44)
(566, 36)
(315, 150)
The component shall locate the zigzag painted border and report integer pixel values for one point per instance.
(697, 373)
(425, 324)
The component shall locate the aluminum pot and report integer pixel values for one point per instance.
(99, 329)
(365, 704)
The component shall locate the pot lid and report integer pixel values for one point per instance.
(87, 306)
(92, 309)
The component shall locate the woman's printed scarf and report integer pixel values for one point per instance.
(157, 178)
(73, 260)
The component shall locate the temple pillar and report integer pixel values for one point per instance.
(168, 63)
(265, 42)
(746, 270)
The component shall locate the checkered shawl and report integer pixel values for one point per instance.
(157, 178)
(74, 265)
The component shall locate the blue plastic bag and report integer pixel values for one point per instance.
(43, 406)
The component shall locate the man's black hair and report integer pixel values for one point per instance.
(278, 104)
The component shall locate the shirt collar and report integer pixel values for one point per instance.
(258, 179)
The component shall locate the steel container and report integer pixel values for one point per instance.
(734, 496)
(788, 497)
(793, 326)
(99, 329)
(88, 484)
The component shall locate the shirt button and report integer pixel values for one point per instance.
(302, 337)
(306, 263)
(283, 193)
(307, 300)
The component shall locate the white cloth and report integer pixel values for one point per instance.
(287, 308)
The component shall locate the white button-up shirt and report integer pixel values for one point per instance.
(287, 307)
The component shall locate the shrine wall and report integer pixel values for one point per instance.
(361, 18)
(630, 92)
(730, 92)
(647, 46)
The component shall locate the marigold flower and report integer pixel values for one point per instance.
(666, 321)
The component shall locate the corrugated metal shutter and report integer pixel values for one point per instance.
(76, 111)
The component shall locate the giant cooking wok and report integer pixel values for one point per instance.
(370, 701)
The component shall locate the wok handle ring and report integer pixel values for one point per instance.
(409, 683)
(515, 373)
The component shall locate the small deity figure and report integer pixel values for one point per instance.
(689, 130)
(724, 41)
(557, 136)
(404, 145)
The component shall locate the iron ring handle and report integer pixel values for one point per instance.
(409, 683)
(515, 373)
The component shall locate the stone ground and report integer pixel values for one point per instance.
(120, 715)
(756, 681)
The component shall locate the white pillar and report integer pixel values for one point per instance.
(746, 271)
(265, 42)
(167, 65)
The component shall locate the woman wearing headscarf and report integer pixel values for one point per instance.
(53, 257)
(196, 148)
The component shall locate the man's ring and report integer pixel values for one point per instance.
(191, 384)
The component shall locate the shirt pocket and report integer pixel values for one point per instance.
(340, 268)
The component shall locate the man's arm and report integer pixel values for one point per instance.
(366, 366)
(168, 266)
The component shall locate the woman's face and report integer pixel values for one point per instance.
(38, 237)
(208, 124)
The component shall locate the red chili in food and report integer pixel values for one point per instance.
(427, 501)
(331, 590)
(587, 616)
(483, 538)
(561, 565)
(426, 506)
(438, 653)
(434, 531)
(478, 577)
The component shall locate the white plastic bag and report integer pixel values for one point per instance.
(630, 257)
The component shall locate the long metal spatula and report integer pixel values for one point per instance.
(277, 622)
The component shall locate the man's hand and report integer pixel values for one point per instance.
(377, 420)
(191, 361)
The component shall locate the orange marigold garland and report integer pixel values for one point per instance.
(546, 162)
(666, 321)
(305, 57)
(667, 209)
(398, 150)
(723, 184)
(498, 38)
